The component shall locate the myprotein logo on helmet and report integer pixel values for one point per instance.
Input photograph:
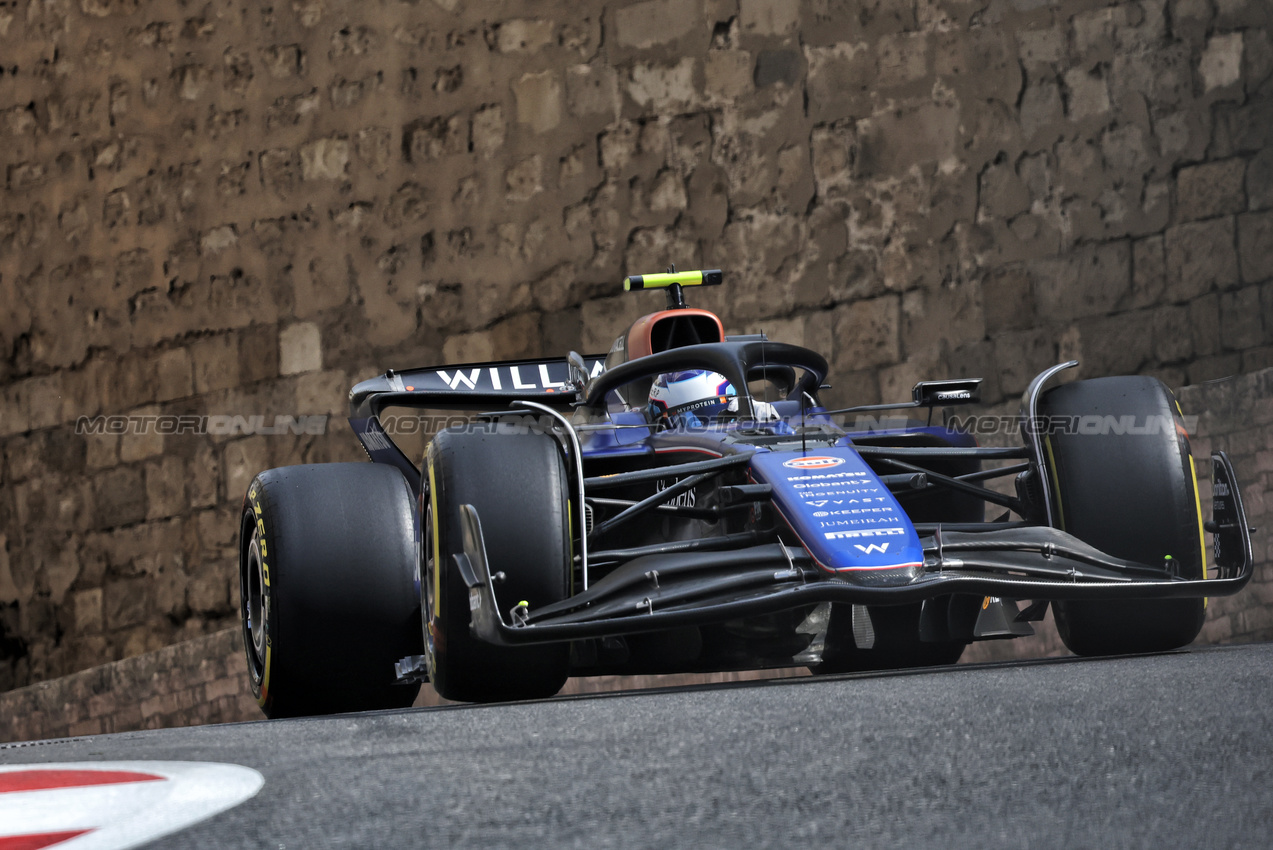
(689, 391)
(813, 462)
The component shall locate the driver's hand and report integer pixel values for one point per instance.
(765, 412)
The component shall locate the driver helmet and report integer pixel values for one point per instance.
(690, 397)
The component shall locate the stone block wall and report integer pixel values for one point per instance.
(188, 684)
(231, 209)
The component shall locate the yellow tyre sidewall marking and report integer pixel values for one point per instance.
(437, 546)
(265, 593)
(1197, 497)
(1056, 483)
(1202, 540)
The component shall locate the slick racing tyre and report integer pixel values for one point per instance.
(517, 482)
(1131, 492)
(327, 585)
(894, 642)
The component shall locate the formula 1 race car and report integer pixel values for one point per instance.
(686, 503)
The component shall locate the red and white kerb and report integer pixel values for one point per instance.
(113, 805)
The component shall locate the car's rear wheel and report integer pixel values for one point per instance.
(1123, 480)
(893, 637)
(327, 587)
(517, 482)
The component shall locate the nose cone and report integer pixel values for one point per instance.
(843, 514)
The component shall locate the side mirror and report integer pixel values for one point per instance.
(578, 371)
(942, 393)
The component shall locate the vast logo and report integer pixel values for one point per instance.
(813, 462)
(814, 500)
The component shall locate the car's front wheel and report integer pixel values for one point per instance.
(1123, 479)
(517, 482)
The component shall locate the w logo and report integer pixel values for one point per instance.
(469, 380)
(871, 548)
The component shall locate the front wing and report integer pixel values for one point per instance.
(665, 591)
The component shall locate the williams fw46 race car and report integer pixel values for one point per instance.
(687, 504)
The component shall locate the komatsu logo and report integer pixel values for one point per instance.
(829, 475)
(866, 532)
(814, 462)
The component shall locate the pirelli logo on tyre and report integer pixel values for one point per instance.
(813, 462)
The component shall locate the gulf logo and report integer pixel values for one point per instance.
(113, 805)
(813, 462)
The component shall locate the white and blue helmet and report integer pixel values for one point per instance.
(689, 397)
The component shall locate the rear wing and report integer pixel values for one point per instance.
(468, 386)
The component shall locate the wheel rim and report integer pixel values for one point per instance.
(254, 613)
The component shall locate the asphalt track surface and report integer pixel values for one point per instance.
(1150, 751)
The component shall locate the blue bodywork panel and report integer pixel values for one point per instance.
(839, 509)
